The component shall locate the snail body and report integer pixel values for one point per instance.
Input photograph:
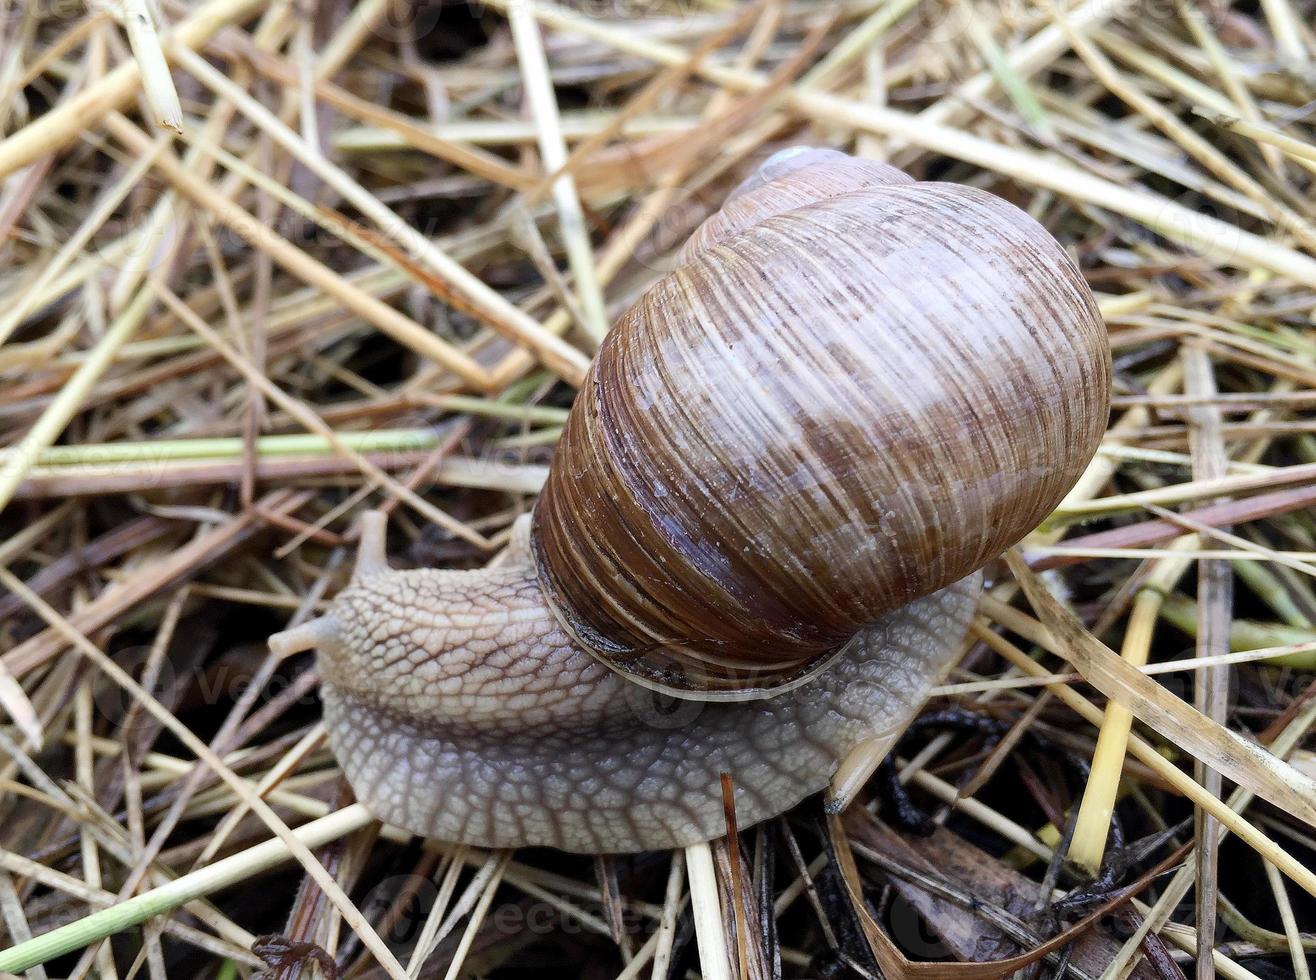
(759, 541)
(514, 735)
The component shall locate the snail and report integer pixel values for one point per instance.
(761, 536)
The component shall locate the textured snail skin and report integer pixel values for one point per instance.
(459, 710)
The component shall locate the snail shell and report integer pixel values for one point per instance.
(855, 390)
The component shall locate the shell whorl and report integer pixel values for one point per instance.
(854, 390)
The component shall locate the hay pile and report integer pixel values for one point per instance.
(265, 265)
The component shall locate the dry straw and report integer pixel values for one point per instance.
(371, 272)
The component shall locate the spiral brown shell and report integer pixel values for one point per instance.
(855, 390)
